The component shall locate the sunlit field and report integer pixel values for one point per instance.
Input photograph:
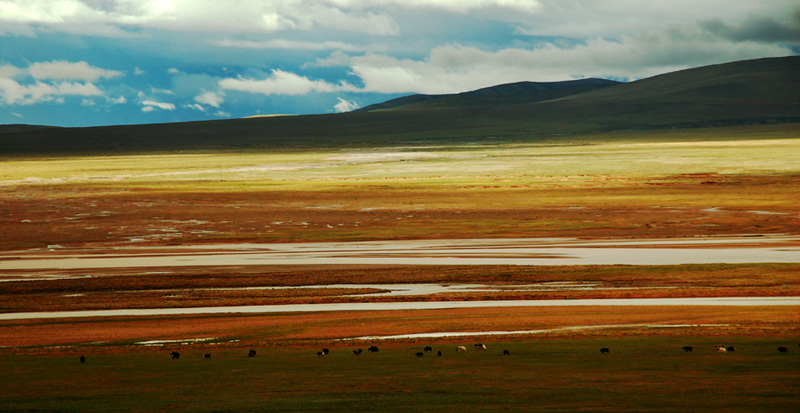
(679, 183)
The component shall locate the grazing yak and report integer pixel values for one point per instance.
(83, 359)
(207, 356)
(722, 350)
(175, 355)
(506, 353)
(251, 353)
(439, 353)
(420, 354)
(372, 349)
(604, 350)
(325, 351)
(428, 349)
(320, 354)
(783, 349)
(357, 352)
(730, 349)
(480, 346)
(687, 348)
(461, 348)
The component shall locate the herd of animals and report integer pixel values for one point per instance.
(480, 346)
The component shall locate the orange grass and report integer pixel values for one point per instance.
(307, 329)
(206, 287)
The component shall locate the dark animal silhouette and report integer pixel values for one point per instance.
(428, 349)
(83, 359)
(207, 356)
(325, 351)
(604, 350)
(175, 355)
(687, 348)
(730, 349)
(357, 352)
(251, 353)
(506, 353)
(480, 346)
(439, 353)
(372, 349)
(783, 349)
(320, 354)
(420, 354)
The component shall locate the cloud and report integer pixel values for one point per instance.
(285, 45)
(68, 70)
(51, 82)
(121, 18)
(150, 105)
(283, 83)
(345, 106)
(757, 29)
(195, 106)
(450, 69)
(209, 98)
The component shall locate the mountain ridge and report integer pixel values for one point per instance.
(534, 91)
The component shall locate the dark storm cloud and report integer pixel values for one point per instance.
(757, 29)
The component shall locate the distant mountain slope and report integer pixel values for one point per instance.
(745, 92)
(501, 94)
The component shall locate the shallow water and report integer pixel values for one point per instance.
(426, 305)
(520, 332)
(425, 252)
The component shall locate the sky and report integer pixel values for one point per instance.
(105, 62)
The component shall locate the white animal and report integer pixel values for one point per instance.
(461, 348)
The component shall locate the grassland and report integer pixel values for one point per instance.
(677, 183)
(639, 374)
(655, 184)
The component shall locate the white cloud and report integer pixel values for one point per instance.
(117, 18)
(283, 83)
(345, 106)
(209, 98)
(195, 106)
(51, 82)
(67, 70)
(139, 72)
(286, 45)
(150, 105)
(121, 18)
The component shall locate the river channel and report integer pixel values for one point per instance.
(729, 250)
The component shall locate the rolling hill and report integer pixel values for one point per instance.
(744, 92)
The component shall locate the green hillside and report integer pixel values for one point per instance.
(744, 92)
